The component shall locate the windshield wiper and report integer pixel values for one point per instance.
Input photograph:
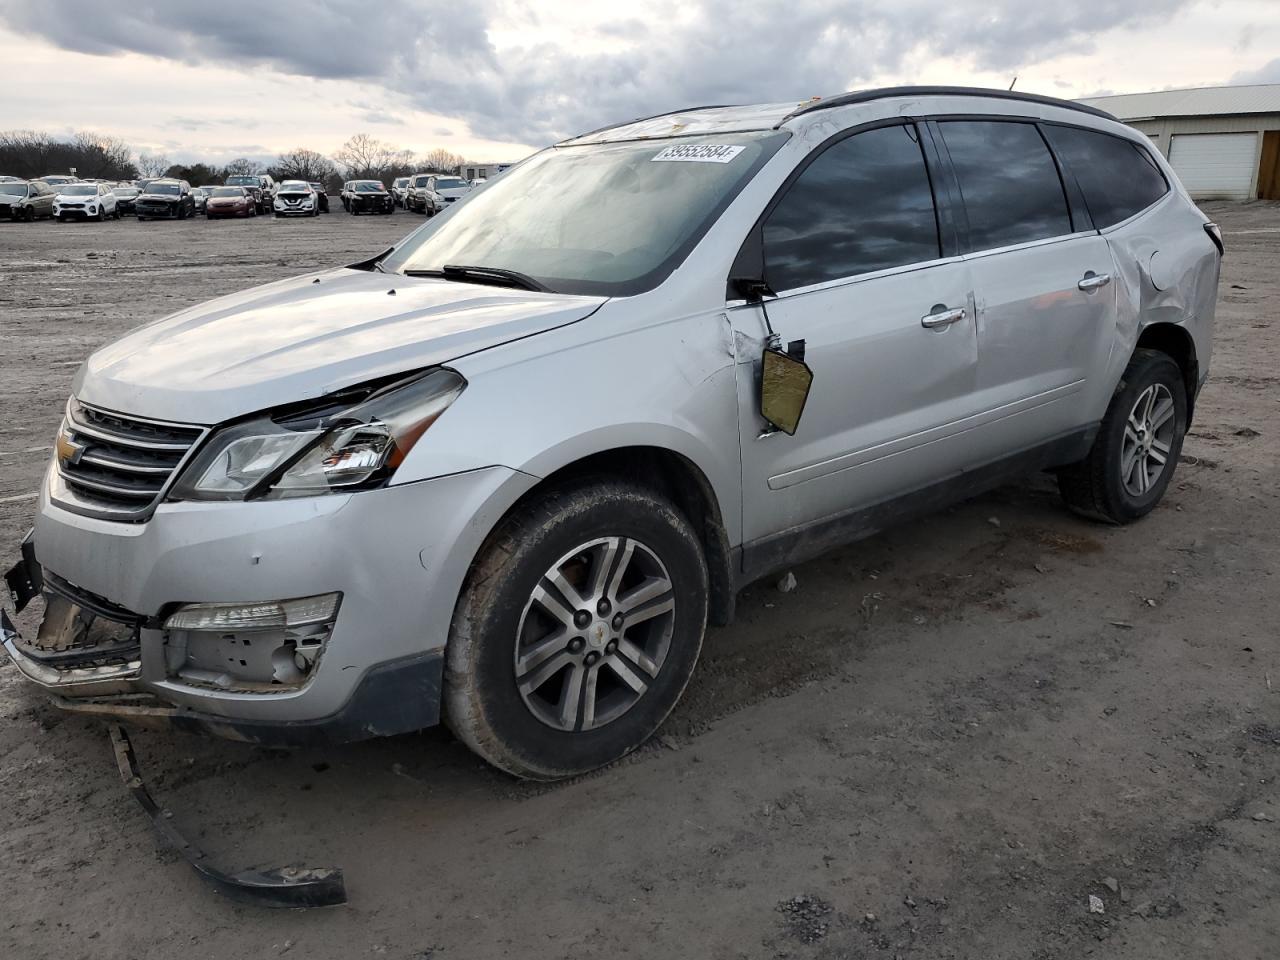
(496, 276)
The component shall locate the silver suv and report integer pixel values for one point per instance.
(507, 472)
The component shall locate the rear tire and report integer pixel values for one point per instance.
(1134, 456)
(577, 630)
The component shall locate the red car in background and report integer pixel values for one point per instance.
(230, 202)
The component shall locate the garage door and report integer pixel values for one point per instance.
(1215, 165)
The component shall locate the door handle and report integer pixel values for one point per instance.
(942, 317)
(1093, 281)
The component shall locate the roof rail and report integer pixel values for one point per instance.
(883, 93)
(656, 116)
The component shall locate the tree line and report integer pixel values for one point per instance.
(29, 154)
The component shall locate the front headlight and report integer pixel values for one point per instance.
(343, 446)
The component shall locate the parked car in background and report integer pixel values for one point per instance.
(369, 196)
(295, 198)
(5, 178)
(165, 200)
(230, 201)
(85, 201)
(420, 198)
(254, 186)
(56, 180)
(322, 196)
(125, 196)
(200, 197)
(400, 190)
(452, 189)
(269, 187)
(26, 199)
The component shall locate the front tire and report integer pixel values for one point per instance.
(1136, 451)
(576, 631)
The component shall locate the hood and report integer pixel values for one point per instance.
(305, 337)
(453, 193)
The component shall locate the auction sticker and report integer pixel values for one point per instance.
(700, 153)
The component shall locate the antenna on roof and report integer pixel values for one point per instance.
(1015, 80)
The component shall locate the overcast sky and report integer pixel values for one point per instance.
(492, 79)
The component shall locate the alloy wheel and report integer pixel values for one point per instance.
(1148, 438)
(595, 633)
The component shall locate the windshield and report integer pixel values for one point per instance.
(57, 179)
(12, 189)
(420, 181)
(226, 192)
(165, 188)
(243, 181)
(126, 191)
(79, 190)
(611, 218)
(294, 186)
(448, 183)
(368, 186)
(401, 182)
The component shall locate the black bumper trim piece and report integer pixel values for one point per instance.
(25, 578)
(285, 887)
(401, 696)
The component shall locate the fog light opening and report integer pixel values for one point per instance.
(262, 647)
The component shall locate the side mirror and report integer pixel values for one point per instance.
(784, 387)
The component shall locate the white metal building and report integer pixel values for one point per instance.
(470, 170)
(1224, 142)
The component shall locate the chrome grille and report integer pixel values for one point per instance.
(116, 466)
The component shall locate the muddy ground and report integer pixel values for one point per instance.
(939, 745)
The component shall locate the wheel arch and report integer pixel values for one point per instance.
(1176, 341)
(676, 477)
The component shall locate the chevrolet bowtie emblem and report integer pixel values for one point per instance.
(69, 451)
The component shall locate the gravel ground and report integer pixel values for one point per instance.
(941, 744)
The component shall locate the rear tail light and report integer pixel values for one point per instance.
(1215, 234)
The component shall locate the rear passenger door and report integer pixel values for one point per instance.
(1042, 278)
(853, 251)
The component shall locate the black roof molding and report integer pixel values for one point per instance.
(884, 93)
(653, 116)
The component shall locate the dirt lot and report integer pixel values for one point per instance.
(940, 745)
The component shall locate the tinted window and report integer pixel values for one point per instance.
(1117, 176)
(1011, 189)
(863, 205)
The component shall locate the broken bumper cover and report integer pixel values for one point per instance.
(398, 556)
(287, 887)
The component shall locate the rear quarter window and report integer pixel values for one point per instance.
(1117, 176)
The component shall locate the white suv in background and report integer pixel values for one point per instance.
(85, 201)
(295, 198)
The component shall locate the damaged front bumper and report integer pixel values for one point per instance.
(111, 644)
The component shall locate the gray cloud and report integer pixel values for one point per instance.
(1267, 73)
(718, 51)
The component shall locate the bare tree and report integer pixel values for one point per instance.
(153, 164)
(31, 153)
(441, 160)
(109, 158)
(366, 158)
(303, 164)
(241, 167)
(27, 153)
